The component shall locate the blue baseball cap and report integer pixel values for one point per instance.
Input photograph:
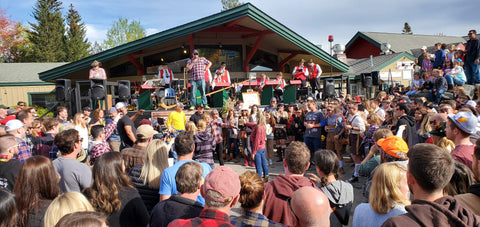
(466, 121)
(195, 51)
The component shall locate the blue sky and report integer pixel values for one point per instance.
(312, 19)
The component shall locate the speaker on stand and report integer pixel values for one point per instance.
(329, 88)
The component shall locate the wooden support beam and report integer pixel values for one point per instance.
(140, 68)
(292, 52)
(265, 32)
(190, 41)
(234, 22)
(252, 52)
(281, 65)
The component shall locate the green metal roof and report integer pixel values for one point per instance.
(245, 10)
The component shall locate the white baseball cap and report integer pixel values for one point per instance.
(120, 105)
(14, 125)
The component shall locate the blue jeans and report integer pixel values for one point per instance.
(436, 98)
(236, 151)
(261, 163)
(313, 144)
(201, 87)
(411, 92)
(454, 80)
(471, 70)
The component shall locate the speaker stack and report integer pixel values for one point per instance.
(329, 88)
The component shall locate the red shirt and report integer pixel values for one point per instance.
(258, 137)
(207, 218)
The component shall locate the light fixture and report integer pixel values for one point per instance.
(220, 45)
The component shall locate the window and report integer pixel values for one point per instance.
(43, 99)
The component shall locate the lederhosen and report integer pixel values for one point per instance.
(332, 144)
(354, 140)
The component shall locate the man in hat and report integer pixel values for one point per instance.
(165, 73)
(96, 72)
(460, 127)
(74, 175)
(314, 71)
(3, 111)
(87, 111)
(420, 58)
(114, 140)
(300, 72)
(197, 67)
(176, 120)
(197, 115)
(221, 191)
(133, 156)
(17, 129)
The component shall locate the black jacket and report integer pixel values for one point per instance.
(149, 195)
(410, 129)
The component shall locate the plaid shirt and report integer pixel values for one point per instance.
(24, 151)
(254, 220)
(210, 218)
(198, 70)
(103, 147)
(217, 131)
(133, 156)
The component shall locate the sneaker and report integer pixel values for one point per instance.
(191, 108)
(207, 107)
(353, 179)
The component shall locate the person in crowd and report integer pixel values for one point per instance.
(261, 82)
(184, 146)
(46, 146)
(216, 124)
(278, 92)
(98, 118)
(251, 200)
(133, 156)
(146, 177)
(374, 122)
(462, 179)
(62, 114)
(176, 120)
(112, 193)
(64, 204)
(36, 131)
(96, 72)
(375, 108)
(472, 58)
(407, 122)
(269, 131)
(222, 75)
(416, 84)
(244, 136)
(300, 72)
(280, 131)
(258, 138)
(100, 135)
(82, 219)
(273, 105)
(439, 56)
(338, 192)
(291, 124)
(313, 122)
(183, 205)
(8, 209)
(296, 163)
(440, 86)
(114, 140)
(430, 168)
(17, 129)
(422, 117)
(309, 207)
(125, 126)
(204, 145)
(27, 119)
(314, 73)
(438, 122)
(80, 121)
(74, 175)
(373, 159)
(9, 166)
(355, 126)
(472, 199)
(335, 128)
(191, 127)
(87, 111)
(232, 136)
(388, 196)
(166, 74)
(459, 128)
(197, 66)
(35, 188)
(456, 76)
(221, 192)
(197, 115)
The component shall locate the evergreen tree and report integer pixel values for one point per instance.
(95, 48)
(123, 31)
(76, 43)
(48, 35)
(228, 4)
(407, 29)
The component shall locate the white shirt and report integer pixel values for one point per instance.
(357, 122)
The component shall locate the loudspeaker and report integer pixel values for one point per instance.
(304, 92)
(124, 89)
(376, 78)
(328, 88)
(366, 79)
(62, 89)
(98, 89)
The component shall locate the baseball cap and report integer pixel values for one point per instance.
(223, 180)
(87, 108)
(199, 105)
(13, 125)
(471, 103)
(120, 105)
(145, 131)
(11, 112)
(112, 110)
(309, 99)
(180, 105)
(144, 122)
(466, 121)
(394, 146)
(7, 119)
(424, 47)
(195, 51)
(4, 107)
(273, 99)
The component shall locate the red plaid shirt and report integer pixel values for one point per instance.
(104, 146)
(217, 131)
(198, 70)
(24, 151)
(210, 218)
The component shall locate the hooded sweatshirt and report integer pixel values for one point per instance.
(410, 130)
(204, 146)
(471, 199)
(276, 194)
(445, 211)
(340, 193)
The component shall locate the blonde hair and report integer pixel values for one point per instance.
(262, 119)
(67, 203)
(201, 125)
(375, 119)
(190, 127)
(155, 161)
(78, 120)
(385, 192)
(382, 133)
(446, 144)
(425, 125)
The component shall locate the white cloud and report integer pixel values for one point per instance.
(151, 31)
(96, 34)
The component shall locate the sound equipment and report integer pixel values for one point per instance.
(304, 92)
(124, 89)
(62, 89)
(329, 88)
(376, 78)
(99, 89)
(366, 79)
